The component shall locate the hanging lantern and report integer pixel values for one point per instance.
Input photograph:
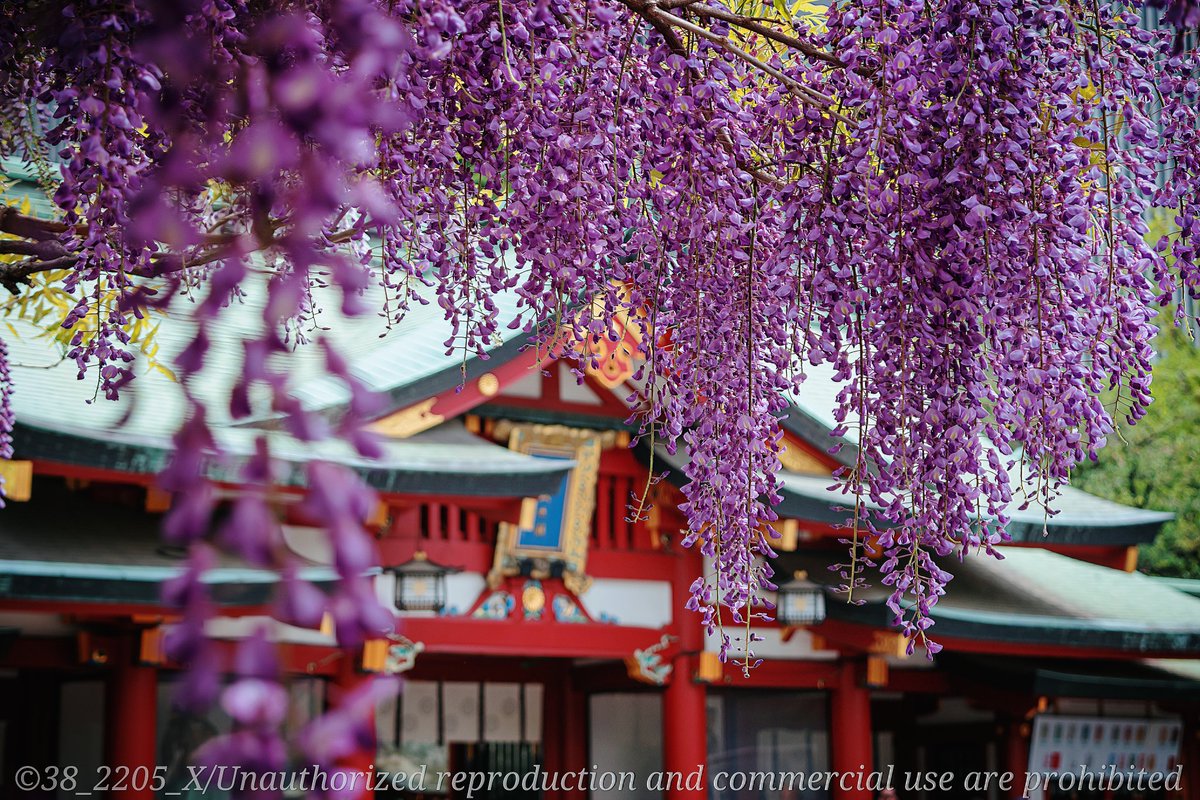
(420, 584)
(800, 602)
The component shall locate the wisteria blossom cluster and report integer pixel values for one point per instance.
(6, 412)
(946, 201)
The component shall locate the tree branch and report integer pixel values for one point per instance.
(17, 274)
(24, 226)
(751, 24)
(48, 253)
(805, 93)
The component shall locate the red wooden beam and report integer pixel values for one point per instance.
(532, 639)
(1049, 650)
(130, 717)
(62, 653)
(632, 565)
(775, 673)
(853, 636)
(850, 729)
(461, 399)
(918, 681)
(1117, 558)
(101, 610)
(508, 669)
(42, 653)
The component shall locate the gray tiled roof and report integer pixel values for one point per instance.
(409, 363)
(1081, 519)
(1076, 517)
(1037, 596)
(59, 417)
(58, 420)
(63, 550)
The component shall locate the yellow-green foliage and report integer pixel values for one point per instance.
(45, 304)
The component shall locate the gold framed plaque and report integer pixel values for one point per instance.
(551, 539)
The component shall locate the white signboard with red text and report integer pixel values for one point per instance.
(1065, 744)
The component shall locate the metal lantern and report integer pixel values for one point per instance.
(800, 601)
(420, 585)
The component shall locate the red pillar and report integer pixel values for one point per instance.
(553, 732)
(1189, 756)
(345, 682)
(131, 718)
(575, 733)
(685, 732)
(1016, 755)
(565, 732)
(850, 715)
(684, 711)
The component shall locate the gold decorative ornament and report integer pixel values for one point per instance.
(488, 384)
(533, 599)
(794, 459)
(551, 539)
(18, 479)
(408, 421)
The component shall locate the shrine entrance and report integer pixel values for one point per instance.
(500, 767)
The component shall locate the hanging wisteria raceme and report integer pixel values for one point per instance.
(1182, 15)
(945, 201)
(1009, 200)
(6, 412)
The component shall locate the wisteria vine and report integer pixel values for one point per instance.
(945, 201)
(6, 412)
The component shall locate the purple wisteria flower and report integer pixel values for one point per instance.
(945, 203)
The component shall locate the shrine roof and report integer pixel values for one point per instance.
(406, 362)
(1034, 596)
(445, 460)
(59, 418)
(1075, 517)
(1124, 679)
(1079, 518)
(60, 549)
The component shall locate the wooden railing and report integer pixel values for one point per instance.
(619, 487)
(446, 522)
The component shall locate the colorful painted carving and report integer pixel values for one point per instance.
(498, 605)
(567, 610)
(647, 665)
(402, 654)
(616, 355)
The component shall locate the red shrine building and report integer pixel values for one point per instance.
(539, 626)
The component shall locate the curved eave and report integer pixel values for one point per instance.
(804, 425)
(1118, 636)
(548, 416)
(1189, 586)
(137, 585)
(1054, 683)
(814, 498)
(148, 455)
(814, 509)
(454, 373)
(811, 498)
(1127, 534)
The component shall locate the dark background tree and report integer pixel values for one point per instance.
(1156, 463)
